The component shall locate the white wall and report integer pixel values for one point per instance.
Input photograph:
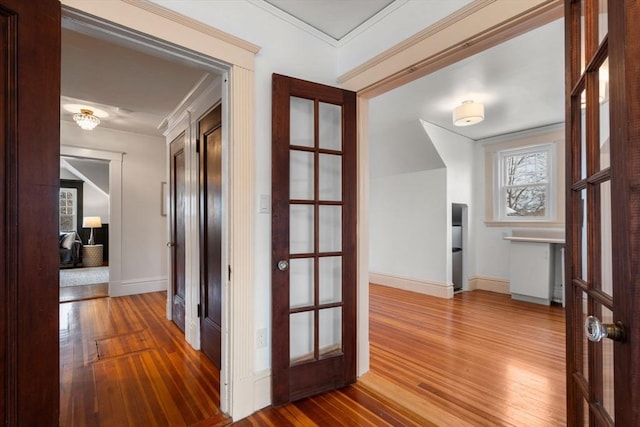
(407, 230)
(456, 152)
(143, 169)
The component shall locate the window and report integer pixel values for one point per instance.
(68, 209)
(524, 184)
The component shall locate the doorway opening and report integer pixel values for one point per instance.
(125, 272)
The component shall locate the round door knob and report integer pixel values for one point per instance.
(283, 265)
(170, 244)
(596, 330)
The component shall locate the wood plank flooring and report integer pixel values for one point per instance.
(479, 359)
(123, 364)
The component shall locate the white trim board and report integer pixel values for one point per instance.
(492, 284)
(435, 289)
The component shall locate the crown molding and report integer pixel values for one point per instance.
(478, 26)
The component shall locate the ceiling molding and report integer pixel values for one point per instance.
(193, 24)
(476, 27)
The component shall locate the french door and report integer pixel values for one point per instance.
(603, 212)
(313, 238)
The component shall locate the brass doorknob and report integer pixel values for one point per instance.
(596, 330)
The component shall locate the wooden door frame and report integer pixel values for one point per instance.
(235, 59)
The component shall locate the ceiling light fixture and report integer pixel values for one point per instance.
(468, 113)
(86, 120)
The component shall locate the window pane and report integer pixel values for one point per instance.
(526, 201)
(603, 76)
(301, 173)
(301, 229)
(526, 168)
(330, 126)
(330, 177)
(330, 234)
(301, 282)
(301, 336)
(330, 278)
(301, 122)
(330, 331)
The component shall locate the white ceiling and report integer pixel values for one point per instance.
(135, 89)
(335, 18)
(520, 82)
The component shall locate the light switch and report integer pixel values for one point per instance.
(265, 204)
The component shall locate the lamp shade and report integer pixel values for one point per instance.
(91, 222)
(468, 113)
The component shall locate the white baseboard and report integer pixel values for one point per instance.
(138, 286)
(262, 390)
(492, 284)
(440, 290)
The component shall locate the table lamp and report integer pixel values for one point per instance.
(91, 222)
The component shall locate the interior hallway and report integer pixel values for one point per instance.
(479, 359)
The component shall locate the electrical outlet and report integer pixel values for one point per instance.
(261, 338)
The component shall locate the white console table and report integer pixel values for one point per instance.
(533, 267)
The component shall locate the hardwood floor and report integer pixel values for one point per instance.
(78, 293)
(479, 359)
(123, 364)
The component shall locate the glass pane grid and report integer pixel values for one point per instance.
(315, 222)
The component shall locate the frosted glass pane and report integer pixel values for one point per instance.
(330, 228)
(300, 175)
(605, 149)
(330, 177)
(603, 18)
(300, 229)
(300, 282)
(606, 247)
(330, 331)
(330, 278)
(583, 245)
(583, 135)
(301, 337)
(330, 126)
(608, 395)
(301, 122)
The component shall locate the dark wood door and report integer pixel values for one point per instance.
(210, 159)
(177, 218)
(603, 212)
(313, 238)
(29, 179)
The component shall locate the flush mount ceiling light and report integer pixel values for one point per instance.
(468, 113)
(86, 120)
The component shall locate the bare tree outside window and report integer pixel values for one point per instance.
(526, 183)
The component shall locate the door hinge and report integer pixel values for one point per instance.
(199, 310)
(197, 146)
(229, 272)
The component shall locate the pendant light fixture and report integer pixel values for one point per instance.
(468, 113)
(86, 120)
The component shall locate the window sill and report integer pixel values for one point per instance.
(524, 224)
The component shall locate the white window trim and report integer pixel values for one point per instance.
(498, 183)
(553, 136)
